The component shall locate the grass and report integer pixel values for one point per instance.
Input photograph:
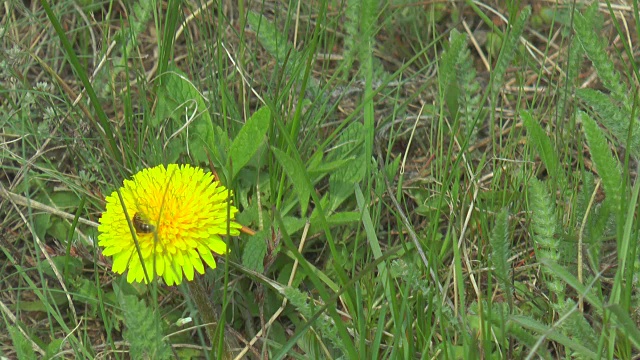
(450, 180)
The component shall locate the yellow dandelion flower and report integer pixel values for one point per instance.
(179, 216)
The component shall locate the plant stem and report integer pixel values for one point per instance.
(208, 315)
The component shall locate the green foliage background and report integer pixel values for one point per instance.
(450, 180)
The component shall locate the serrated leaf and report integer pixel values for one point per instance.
(614, 117)
(249, 139)
(596, 50)
(181, 101)
(21, 345)
(254, 252)
(142, 329)
(447, 71)
(500, 254)
(607, 166)
(509, 49)
(296, 173)
(278, 45)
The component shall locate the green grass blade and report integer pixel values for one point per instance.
(84, 78)
(627, 325)
(553, 333)
(296, 172)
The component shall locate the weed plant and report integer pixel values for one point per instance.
(450, 180)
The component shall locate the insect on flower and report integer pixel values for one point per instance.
(141, 225)
(189, 213)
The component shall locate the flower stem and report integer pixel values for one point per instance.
(208, 315)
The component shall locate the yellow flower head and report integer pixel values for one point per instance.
(179, 215)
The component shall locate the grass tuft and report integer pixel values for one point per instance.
(416, 179)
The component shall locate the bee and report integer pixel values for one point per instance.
(141, 225)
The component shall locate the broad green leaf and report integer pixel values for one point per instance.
(41, 224)
(249, 139)
(74, 265)
(296, 173)
(293, 224)
(328, 167)
(254, 251)
(55, 299)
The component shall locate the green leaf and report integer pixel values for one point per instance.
(614, 117)
(191, 130)
(249, 139)
(272, 39)
(53, 348)
(21, 345)
(143, 331)
(254, 252)
(75, 265)
(55, 299)
(596, 50)
(89, 294)
(448, 73)
(349, 146)
(607, 166)
(290, 61)
(500, 251)
(626, 324)
(583, 290)
(554, 334)
(544, 224)
(544, 146)
(41, 224)
(296, 173)
(578, 326)
(509, 49)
